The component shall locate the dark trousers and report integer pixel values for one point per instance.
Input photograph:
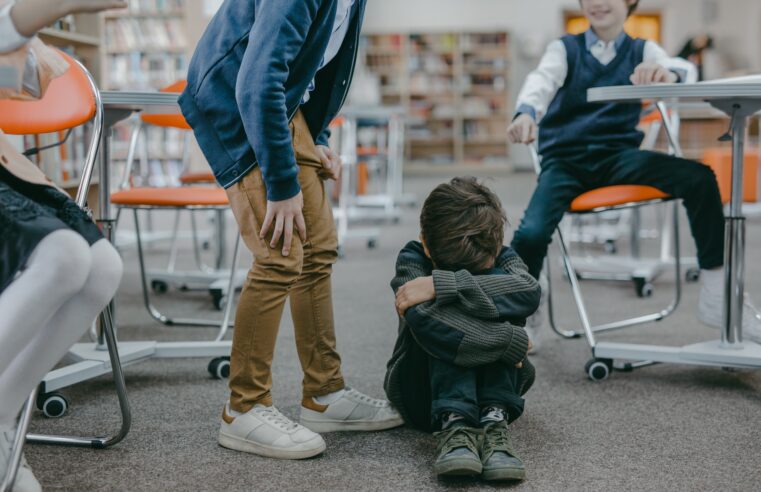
(466, 391)
(566, 176)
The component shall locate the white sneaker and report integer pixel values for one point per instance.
(25, 479)
(711, 307)
(536, 320)
(267, 432)
(352, 411)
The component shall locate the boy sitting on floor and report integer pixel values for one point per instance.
(589, 145)
(459, 365)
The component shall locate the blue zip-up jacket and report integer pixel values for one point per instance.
(248, 76)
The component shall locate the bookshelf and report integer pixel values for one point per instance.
(454, 86)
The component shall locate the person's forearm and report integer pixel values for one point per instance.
(29, 16)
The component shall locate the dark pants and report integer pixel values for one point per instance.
(466, 391)
(566, 176)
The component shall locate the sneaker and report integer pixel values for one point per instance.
(352, 411)
(267, 432)
(457, 452)
(711, 307)
(536, 320)
(497, 454)
(25, 479)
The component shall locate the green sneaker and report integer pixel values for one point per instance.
(497, 455)
(457, 452)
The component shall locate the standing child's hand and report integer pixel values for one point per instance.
(414, 292)
(331, 163)
(523, 129)
(652, 73)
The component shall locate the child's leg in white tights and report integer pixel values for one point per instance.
(87, 276)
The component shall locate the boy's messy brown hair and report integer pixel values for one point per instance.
(633, 7)
(463, 225)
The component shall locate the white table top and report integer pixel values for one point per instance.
(702, 91)
(161, 102)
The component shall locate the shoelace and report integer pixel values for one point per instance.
(457, 437)
(366, 399)
(273, 415)
(497, 438)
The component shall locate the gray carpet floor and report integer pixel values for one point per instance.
(667, 427)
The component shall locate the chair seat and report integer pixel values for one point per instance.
(612, 196)
(199, 177)
(186, 196)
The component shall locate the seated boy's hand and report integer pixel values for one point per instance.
(519, 365)
(523, 129)
(652, 73)
(414, 292)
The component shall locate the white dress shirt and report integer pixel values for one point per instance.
(340, 28)
(542, 84)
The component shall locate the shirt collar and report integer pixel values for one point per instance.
(591, 39)
(342, 12)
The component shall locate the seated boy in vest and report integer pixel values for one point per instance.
(459, 366)
(590, 145)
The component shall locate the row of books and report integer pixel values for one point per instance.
(64, 163)
(144, 34)
(144, 71)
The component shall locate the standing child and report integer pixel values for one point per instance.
(588, 145)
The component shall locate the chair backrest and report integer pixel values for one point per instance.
(71, 100)
(175, 120)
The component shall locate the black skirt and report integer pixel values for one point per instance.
(28, 213)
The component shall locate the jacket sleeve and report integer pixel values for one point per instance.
(510, 293)
(410, 264)
(323, 138)
(278, 35)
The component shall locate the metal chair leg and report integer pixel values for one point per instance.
(155, 313)
(230, 294)
(18, 443)
(107, 326)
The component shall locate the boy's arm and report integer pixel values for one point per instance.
(411, 263)
(685, 71)
(543, 83)
(274, 42)
(512, 293)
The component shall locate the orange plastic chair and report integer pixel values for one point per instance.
(72, 100)
(190, 198)
(720, 160)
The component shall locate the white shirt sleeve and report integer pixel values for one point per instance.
(687, 71)
(543, 84)
(10, 39)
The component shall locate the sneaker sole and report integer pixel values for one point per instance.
(458, 468)
(504, 474)
(246, 446)
(322, 426)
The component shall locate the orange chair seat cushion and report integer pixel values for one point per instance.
(188, 196)
(200, 177)
(611, 196)
(169, 120)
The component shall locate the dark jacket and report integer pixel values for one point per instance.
(247, 78)
(475, 320)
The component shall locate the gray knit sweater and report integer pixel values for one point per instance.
(475, 319)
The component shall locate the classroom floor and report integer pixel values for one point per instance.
(665, 427)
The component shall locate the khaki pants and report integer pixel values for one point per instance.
(304, 275)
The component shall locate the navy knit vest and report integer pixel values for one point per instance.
(572, 122)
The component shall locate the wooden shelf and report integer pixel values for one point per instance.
(58, 37)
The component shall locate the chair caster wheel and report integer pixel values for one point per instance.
(372, 244)
(610, 247)
(53, 405)
(643, 287)
(692, 275)
(219, 368)
(219, 300)
(159, 286)
(598, 369)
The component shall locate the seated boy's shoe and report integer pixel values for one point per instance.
(457, 452)
(711, 307)
(497, 454)
(349, 411)
(267, 432)
(25, 479)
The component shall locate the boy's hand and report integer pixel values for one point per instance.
(414, 292)
(519, 365)
(522, 130)
(331, 162)
(284, 215)
(652, 73)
